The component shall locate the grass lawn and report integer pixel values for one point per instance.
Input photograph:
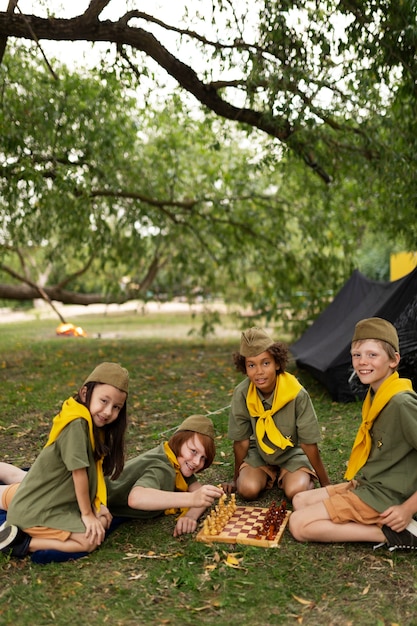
(141, 574)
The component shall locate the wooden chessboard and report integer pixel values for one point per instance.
(243, 528)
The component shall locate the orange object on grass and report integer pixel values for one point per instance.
(69, 330)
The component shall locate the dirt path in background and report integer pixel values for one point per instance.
(69, 311)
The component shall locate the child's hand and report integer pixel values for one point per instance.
(185, 525)
(94, 531)
(396, 517)
(206, 495)
(229, 487)
(104, 516)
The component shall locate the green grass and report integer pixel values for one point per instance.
(141, 574)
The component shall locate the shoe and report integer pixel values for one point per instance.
(412, 526)
(405, 540)
(14, 541)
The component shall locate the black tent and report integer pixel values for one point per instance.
(324, 349)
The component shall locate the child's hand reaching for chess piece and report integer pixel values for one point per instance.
(163, 479)
(205, 495)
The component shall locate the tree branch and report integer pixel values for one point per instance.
(77, 29)
(94, 9)
(40, 290)
(26, 292)
(3, 40)
(74, 275)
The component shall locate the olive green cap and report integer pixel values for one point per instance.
(377, 328)
(254, 341)
(198, 424)
(110, 374)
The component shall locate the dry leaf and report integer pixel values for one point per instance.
(303, 600)
(232, 560)
(202, 608)
(365, 591)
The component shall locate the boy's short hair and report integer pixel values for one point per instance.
(389, 349)
(378, 329)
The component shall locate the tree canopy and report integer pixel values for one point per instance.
(328, 85)
(291, 69)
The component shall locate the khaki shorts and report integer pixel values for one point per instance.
(36, 531)
(343, 505)
(272, 472)
(8, 495)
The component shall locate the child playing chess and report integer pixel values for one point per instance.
(272, 423)
(163, 478)
(377, 506)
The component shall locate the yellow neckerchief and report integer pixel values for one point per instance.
(72, 410)
(180, 482)
(370, 411)
(286, 389)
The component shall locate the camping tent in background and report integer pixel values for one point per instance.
(324, 349)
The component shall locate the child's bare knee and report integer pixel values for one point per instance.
(295, 527)
(248, 491)
(296, 500)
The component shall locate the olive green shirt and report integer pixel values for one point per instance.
(297, 421)
(150, 469)
(389, 476)
(46, 496)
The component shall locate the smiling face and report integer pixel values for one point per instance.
(192, 456)
(262, 371)
(105, 403)
(371, 362)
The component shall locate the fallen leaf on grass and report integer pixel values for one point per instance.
(206, 607)
(365, 591)
(136, 576)
(309, 603)
(232, 561)
(150, 555)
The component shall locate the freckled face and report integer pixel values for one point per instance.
(192, 456)
(262, 371)
(371, 363)
(105, 404)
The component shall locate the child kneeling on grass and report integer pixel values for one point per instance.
(162, 480)
(377, 506)
(272, 423)
(61, 503)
